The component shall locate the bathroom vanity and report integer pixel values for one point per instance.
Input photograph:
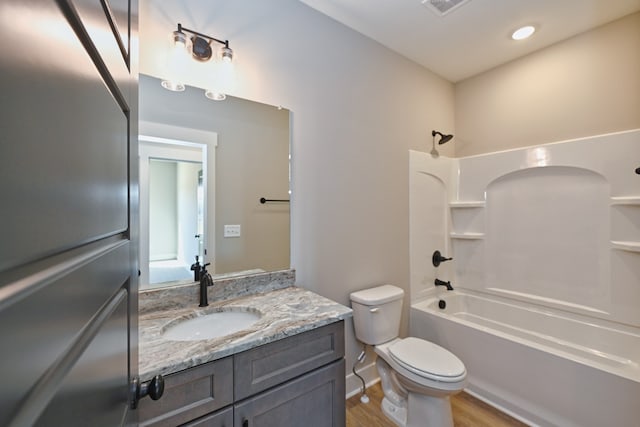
(287, 368)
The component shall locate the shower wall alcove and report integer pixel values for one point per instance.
(545, 243)
(556, 225)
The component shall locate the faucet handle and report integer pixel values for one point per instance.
(437, 258)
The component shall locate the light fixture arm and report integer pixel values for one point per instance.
(195, 33)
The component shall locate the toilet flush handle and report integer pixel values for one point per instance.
(374, 310)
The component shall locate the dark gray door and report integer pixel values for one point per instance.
(68, 212)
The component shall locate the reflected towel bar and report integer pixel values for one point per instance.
(263, 200)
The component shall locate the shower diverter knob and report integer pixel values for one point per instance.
(437, 258)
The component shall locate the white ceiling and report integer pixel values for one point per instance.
(474, 37)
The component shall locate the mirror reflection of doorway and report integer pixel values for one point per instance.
(174, 223)
(172, 209)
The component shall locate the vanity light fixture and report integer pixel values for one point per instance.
(523, 32)
(189, 42)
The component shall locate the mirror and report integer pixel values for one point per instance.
(204, 166)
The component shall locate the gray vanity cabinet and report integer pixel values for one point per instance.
(295, 381)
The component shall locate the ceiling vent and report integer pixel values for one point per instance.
(443, 7)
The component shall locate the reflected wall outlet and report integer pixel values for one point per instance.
(232, 230)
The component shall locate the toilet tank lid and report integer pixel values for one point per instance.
(377, 295)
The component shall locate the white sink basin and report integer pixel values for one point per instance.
(212, 325)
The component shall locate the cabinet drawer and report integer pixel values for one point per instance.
(190, 394)
(223, 418)
(263, 367)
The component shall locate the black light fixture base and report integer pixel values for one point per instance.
(201, 49)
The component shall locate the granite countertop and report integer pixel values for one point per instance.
(285, 311)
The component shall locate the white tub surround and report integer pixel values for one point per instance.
(545, 243)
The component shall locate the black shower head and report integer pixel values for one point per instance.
(443, 138)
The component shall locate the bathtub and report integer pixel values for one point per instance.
(542, 366)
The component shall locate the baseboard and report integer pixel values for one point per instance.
(353, 383)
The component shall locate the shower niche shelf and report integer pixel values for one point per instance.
(467, 236)
(467, 219)
(632, 201)
(625, 227)
(467, 204)
(626, 246)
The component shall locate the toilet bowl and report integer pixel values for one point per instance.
(417, 376)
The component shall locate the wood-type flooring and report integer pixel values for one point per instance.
(467, 412)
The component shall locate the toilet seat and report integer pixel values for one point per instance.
(427, 360)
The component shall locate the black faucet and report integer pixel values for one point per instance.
(205, 282)
(439, 282)
(196, 268)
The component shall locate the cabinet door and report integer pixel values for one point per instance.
(223, 418)
(313, 400)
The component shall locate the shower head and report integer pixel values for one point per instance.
(443, 138)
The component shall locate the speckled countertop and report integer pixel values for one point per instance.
(285, 310)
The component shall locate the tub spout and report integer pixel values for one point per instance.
(439, 282)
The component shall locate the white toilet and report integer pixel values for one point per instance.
(417, 376)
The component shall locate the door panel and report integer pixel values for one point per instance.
(119, 12)
(38, 325)
(63, 154)
(106, 35)
(97, 384)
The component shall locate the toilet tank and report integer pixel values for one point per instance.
(376, 313)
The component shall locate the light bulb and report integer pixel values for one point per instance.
(216, 96)
(173, 86)
(177, 62)
(523, 33)
(226, 53)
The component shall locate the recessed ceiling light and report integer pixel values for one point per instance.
(523, 33)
